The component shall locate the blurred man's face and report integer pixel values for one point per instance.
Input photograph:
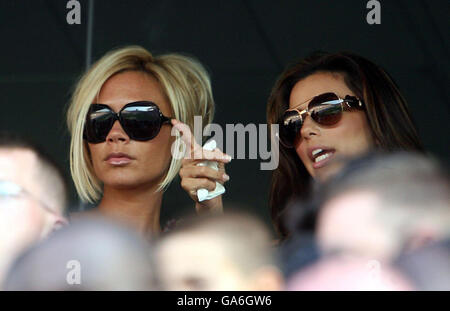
(341, 273)
(348, 223)
(197, 262)
(23, 218)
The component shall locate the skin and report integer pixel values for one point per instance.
(129, 192)
(347, 223)
(203, 266)
(360, 222)
(207, 264)
(195, 177)
(23, 220)
(351, 136)
(345, 273)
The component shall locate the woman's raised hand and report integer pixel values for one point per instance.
(194, 177)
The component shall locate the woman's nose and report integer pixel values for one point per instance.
(309, 128)
(117, 134)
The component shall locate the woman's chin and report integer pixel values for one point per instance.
(327, 172)
(126, 183)
(131, 183)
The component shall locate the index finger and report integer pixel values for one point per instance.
(194, 150)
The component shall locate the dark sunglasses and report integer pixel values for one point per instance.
(141, 121)
(325, 109)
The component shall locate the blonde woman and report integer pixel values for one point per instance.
(120, 119)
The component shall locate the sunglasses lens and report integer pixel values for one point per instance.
(99, 122)
(290, 127)
(141, 122)
(326, 109)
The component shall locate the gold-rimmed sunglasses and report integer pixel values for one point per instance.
(325, 109)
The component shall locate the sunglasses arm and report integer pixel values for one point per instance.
(353, 102)
(165, 119)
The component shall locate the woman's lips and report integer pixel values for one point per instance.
(118, 159)
(323, 159)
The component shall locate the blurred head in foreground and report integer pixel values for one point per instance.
(32, 196)
(90, 254)
(428, 267)
(339, 273)
(382, 205)
(218, 252)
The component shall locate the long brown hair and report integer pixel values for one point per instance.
(387, 113)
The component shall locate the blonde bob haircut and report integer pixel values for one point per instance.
(184, 81)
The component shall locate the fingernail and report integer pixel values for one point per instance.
(226, 177)
(228, 158)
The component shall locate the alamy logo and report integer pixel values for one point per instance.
(74, 15)
(73, 277)
(257, 146)
(374, 15)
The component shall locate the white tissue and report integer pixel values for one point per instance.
(204, 194)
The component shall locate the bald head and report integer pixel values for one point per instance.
(29, 165)
(384, 204)
(220, 252)
(91, 254)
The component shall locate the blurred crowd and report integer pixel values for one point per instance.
(382, 223)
